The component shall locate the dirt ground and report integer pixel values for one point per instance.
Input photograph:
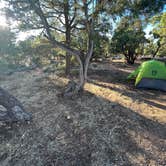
(111, 124)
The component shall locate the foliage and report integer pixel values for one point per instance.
(127, 39)
(157, 45)
(8, 50)
(101, 46)
(38, 51)
(7, 39)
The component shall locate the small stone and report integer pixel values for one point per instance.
(68, 117)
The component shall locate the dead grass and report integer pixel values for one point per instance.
(112, 123)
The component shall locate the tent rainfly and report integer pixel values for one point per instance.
(150, 75)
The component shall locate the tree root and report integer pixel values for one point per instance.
(72, 90)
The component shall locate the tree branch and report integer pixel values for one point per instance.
(36, 7)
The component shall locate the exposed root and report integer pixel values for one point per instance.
(72, 89)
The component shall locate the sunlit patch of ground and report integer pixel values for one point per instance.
(119, 94)
(112, 123)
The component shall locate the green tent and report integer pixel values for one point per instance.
(150, 74)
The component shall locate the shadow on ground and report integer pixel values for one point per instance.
(87, 130)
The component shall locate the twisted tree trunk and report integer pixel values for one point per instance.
(73, 87)
(15, 111)
(83, 59)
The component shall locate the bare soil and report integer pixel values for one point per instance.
(111, 124)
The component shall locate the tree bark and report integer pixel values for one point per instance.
(68, 64)
(15, 111)
(157, 50)
(130, 57)
(74, 88)
(67, 36)
(68, 55)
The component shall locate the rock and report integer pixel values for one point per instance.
(14, 109)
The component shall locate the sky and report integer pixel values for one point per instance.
(2, 17)
(3, 22)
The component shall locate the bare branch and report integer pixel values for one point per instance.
(40, 13)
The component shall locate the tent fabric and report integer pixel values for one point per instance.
(134, 74)
(152, 84)
(150, 74)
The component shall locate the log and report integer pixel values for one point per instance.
(14, 109)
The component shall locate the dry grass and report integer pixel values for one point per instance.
(112, 123)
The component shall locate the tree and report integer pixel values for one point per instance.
(60, 15)
(102, 28)
(7, 39)
(127, 39)
(101, 46)
(159, 34)
(35, 12)
(65, 13)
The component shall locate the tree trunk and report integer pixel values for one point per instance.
(73, 88)
(68, 64)
(15, 111)
(130, 58)
(68, 55)
(83, 59)
(157, 50)
(67, 36)
(87, 61)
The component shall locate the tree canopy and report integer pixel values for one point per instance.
(127, 38)
(159, 34)
(7, 39)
